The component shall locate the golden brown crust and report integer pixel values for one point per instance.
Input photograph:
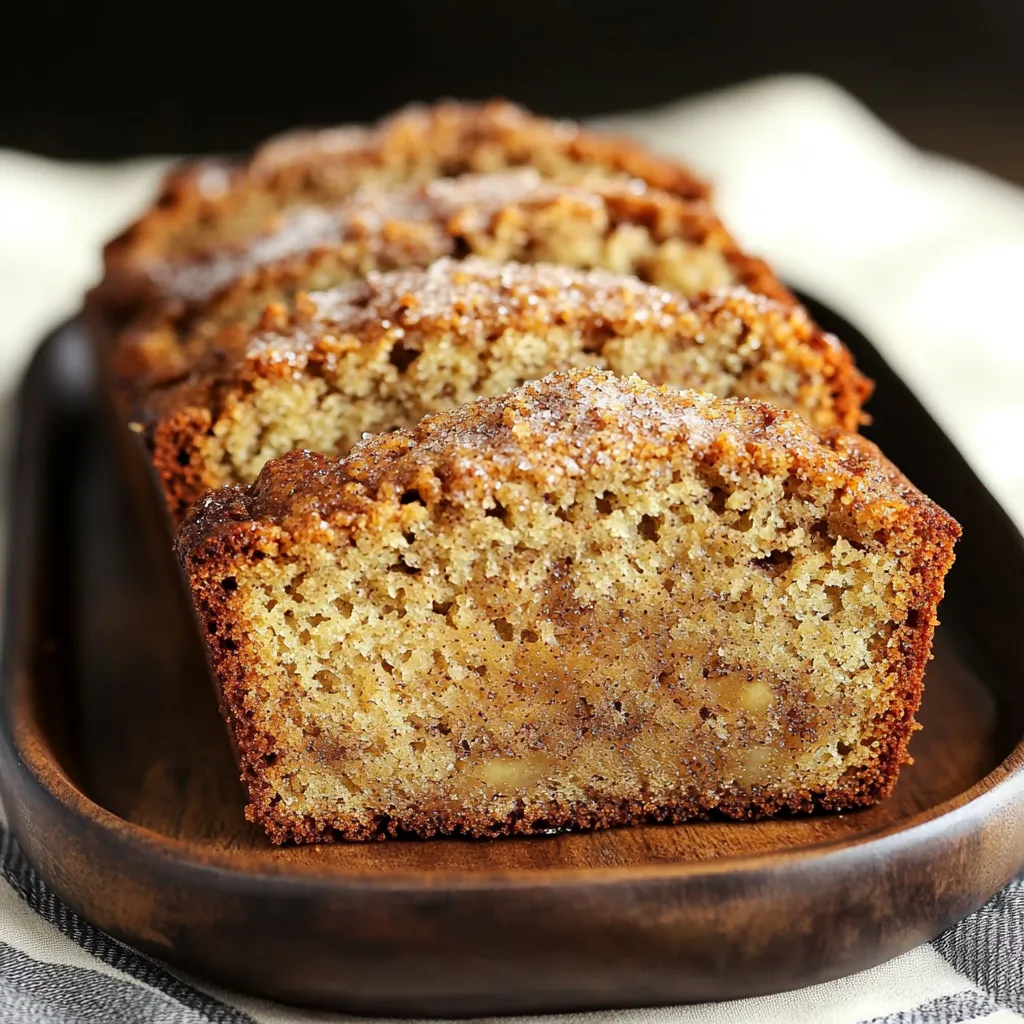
(210, 204)
(306, 499)
(474, 304)
(514, 215)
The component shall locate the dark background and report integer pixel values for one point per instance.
(107, 80)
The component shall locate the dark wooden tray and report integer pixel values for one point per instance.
(119, 784)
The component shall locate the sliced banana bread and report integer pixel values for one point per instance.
(588, 602)
(514, 215)
(214, 205)
(323, 368)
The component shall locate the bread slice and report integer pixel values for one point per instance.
(321, 370)
(588, 602)
(514, 215)
(211, 205)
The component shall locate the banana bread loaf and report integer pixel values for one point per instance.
(588, 602)
(323, 368)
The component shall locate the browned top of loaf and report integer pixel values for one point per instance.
(209, 203)
(568, 423)
(473, 300)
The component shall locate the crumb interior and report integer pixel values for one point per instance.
(377, 388)
(666, 632)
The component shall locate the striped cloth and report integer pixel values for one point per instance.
(900, 242)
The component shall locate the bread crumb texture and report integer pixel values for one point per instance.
(588, 602)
